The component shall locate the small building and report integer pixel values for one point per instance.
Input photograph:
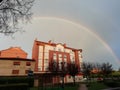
(14, 62)
(16, 66)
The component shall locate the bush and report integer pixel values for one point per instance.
(112, 83)
(97, 86)
(14, 87)
(17, 80)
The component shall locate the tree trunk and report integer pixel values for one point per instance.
(62, 82)
(74, 80)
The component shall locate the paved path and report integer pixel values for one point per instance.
(117, 88)
(82, 87)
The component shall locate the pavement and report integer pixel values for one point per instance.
(117, 88)
(82, 87)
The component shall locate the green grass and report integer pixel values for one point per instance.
(92, 86)
(71, 88)
(56, 88)
(97, 86)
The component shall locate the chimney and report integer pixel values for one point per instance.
(49, 41)
(64, 45)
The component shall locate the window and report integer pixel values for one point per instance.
(26, 71)
(39, 69)
(28, 64)
(29, 72)
(15, 71)
(16, 63)
(72, 58)
(65, 56)
(46, 61)
(54, 56)
(60, 56)
(59, 65)
(46, 69)
(69, 77)
(59, 49)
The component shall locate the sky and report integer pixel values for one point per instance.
(91, 25)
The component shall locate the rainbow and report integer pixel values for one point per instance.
(84, 28)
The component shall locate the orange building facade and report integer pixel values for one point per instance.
(45, 52)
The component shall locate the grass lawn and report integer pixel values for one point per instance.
(56, 88)
(92, 86)
(97, 86)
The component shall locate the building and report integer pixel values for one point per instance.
(13, 52)
(45, 52)
(14, 62)
(15, 66)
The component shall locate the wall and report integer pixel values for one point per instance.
(7, 67)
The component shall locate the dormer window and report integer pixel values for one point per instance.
(59, 49)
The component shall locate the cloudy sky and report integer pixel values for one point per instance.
(91, 25)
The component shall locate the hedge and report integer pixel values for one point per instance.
(17, 80)
(112, 83)
(22, 86)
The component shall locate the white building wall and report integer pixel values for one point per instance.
(46, 56)
(40, 57)
(72, 56)
(77, 79)
(60, 47)
(80, 58)
(67, 50)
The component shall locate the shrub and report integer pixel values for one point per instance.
(112, 83)
(14, 87)
(17, 80)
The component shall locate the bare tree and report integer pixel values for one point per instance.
(63, 72)
(86, 69)
(119, 69)
(106, 69)
(12, 12)
(53, 67)
(97, 67)
(73, 70)
(58, 69)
